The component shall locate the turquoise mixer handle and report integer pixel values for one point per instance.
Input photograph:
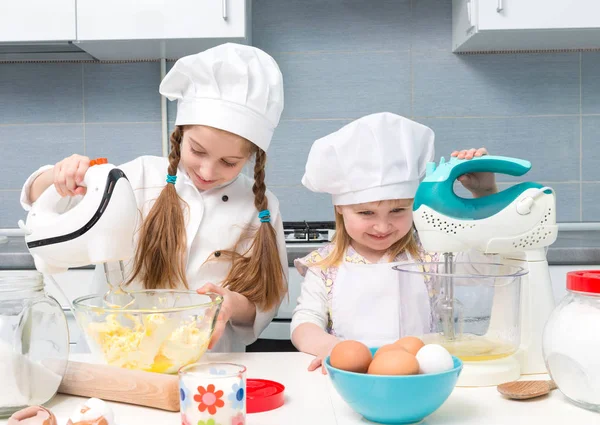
(437, 189)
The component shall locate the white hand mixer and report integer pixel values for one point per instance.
(98, 229)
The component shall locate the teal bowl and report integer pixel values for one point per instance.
(394, 399)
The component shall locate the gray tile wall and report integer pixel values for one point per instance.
(341, 59)
(52, 110)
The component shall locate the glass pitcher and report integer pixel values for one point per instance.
(34, 342)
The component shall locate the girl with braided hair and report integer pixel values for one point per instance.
(206, 225)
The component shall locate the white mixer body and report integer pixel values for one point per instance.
(506, 232)
(98, 228)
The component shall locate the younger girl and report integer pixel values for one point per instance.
(372, 168)
(206, 226)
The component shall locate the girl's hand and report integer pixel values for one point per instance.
(319, 360)
(479, 184)
(69, 174)
(224, 313)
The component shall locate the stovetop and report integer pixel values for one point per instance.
(308, 231)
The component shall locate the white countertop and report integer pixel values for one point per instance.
(311, 399)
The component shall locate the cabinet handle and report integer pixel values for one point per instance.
(470, 14)
(224, 3)
(500, 6)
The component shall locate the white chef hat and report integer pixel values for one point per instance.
(377, 157)
(232, 87)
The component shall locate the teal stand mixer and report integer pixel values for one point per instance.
(517, 225)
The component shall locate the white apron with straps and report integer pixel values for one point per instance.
(377, 305)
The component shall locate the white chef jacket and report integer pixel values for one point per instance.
(215, 220)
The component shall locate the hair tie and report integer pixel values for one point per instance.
(265, 216)
(171, 179)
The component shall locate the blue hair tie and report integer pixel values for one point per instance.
(265, 216)
(171, 179)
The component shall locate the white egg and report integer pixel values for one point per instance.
(434, 358)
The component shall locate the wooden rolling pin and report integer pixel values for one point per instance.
(121, 385)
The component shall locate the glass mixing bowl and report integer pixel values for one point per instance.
(161, 331)
(475, 307)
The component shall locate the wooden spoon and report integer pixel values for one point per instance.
(523, 390)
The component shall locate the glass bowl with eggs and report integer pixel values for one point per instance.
(161, 331)
(398, 383)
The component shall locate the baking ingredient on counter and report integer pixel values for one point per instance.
(571, 340)
(394, 362)
(352, 356)
(391, 393)
(473, 348)
(93, 412)
(524, 390)
(33, 415)
(434, 358)
(152, 343)
(156, 390)
(386, 348)
(392, 359)
(411, 344)
(24, 382)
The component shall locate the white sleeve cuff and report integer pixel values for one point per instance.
(25, 201)
(302, 317)
(312, 303)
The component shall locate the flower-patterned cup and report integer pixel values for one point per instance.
(213, 394)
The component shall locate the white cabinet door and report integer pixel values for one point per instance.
(37, 20)
(537, 14)
(160, 19)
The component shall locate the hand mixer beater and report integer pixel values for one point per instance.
(446, 306)
(62, 233)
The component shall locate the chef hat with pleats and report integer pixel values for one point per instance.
(231, 87)
(377, 157)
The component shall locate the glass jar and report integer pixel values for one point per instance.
(571, 340)
(34, 342)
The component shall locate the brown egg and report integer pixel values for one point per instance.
(394, 362)
(411, 344)
(352, 356)
(34, 415)
(388, 347)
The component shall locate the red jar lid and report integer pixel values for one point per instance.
(263, 395)
(584, 281)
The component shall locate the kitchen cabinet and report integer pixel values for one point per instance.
(156, 19)
(133, 29)
(37, 21)
(490, 25)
